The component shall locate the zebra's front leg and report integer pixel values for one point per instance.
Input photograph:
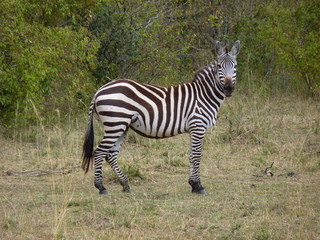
(195, 157)
(99, 156)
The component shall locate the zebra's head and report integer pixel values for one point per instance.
(227, 66)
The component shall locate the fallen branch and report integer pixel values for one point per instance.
(36, 173)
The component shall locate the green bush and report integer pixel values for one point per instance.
(280, 45)
(55, 54)
(43, 68)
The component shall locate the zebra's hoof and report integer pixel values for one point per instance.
(201, 191)
(103, 192)
(128, 190)
(197, 187)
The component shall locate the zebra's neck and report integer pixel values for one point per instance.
(206, 80)
(208, 95)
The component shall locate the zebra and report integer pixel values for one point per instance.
(159, 112)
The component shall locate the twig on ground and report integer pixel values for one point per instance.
(38, 172)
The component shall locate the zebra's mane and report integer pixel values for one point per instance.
(204, 69)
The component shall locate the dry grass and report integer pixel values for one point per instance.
(250, 135)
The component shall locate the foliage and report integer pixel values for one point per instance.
(113, 26)
(43, 67)
(281, 44)
(54, 54)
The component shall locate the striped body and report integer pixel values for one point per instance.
(159, 112)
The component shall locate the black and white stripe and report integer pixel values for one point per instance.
(159, 112)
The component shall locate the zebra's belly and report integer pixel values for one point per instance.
(140, 129)
(147, 131)
(154, 129)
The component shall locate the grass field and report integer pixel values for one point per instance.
(250, 135)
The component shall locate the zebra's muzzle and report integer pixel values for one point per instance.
(228, 93)
(228, 87)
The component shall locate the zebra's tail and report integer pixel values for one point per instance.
(87, 149)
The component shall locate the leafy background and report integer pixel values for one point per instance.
(55, 54)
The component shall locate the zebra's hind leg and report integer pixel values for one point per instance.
(112, 159)
(99, 156)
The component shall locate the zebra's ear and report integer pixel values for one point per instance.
(219, 49)
(235, 49)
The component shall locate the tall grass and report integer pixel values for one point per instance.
(250, 134)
